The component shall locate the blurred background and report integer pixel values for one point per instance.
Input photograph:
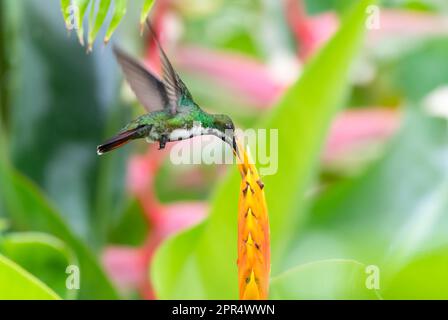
(380, 197)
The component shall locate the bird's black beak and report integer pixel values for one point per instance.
(235, 147)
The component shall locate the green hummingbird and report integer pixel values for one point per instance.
(172, 113)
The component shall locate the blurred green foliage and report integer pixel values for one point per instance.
(42, 255)
(209, 267)
(60, 205)
(16, 283)
(97, 12)
(325, 279)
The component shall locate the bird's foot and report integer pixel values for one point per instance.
(162, 142)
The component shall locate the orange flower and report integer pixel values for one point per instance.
(253, 234)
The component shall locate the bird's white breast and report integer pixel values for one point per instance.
(182, 134)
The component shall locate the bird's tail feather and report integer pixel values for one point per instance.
(119, 140)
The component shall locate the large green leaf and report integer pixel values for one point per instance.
(132, 229)
(394, 209)
(207, 267)
(397, 207)
(178, 258)
(42, 255)
(424, 277)
(427, 60)
(327, 279)
(18, 284)
(28, 210)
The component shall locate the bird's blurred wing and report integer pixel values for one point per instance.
(175, 88)
(150, 91)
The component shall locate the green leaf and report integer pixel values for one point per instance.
(29, 210)
(304, 116)
(175, 272)
(18, 284)
(101, 14)
(208, 268)
(65, 8)
(132, 228)
(397, 207)
(119, 12)
(327, 279)
(420, 228)
(42, 255)
(315, 7)
(97, 17)
(393, 214)
(428, 61)
(81, 9)
(147, 6)
(424, 277)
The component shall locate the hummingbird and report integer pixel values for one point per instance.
(172, 115)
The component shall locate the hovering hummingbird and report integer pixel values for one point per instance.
(172, 113)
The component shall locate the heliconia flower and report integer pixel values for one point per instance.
(243, 74)
(253, 235)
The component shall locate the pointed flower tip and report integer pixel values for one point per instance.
(252, 291)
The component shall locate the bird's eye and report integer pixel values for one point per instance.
(229, 126)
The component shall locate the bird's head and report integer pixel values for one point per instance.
(226, 130)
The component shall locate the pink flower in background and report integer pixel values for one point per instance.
(310, 32)
(356, 127)
(241, 74)
(400, 23)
